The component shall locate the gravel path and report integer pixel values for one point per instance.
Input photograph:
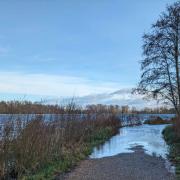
(127, 166)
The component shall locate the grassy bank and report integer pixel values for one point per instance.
(56, 168)
(173, 140)
(38, 149)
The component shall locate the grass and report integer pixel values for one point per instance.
(69, 162)
(158, 121)
(173, 140)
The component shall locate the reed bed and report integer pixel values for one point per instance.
(37, 147)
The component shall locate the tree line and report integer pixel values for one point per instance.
(28, 107)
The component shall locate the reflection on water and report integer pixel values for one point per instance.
(149, 136)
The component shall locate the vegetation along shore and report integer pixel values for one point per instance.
(41, 149)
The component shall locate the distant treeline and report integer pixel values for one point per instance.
(28, 107)
(161, 110)
(129, 110)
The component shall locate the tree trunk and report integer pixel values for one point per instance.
(177, 63)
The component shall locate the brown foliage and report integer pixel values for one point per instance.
(28, 145)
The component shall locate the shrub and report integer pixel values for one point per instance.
(158, 120)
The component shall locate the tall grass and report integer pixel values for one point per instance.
(38, 147)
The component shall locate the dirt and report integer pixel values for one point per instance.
(126, 166)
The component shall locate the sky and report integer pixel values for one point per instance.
(67, 48)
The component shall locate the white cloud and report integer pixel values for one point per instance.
(120, 97)
(51, 85)
(66, 87)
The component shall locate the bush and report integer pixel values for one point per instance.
(169, 134)
(173, 140)
(157, 121)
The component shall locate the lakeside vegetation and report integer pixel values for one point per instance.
(39, 149)
(158, 120)
(28, 107)
(173, 140)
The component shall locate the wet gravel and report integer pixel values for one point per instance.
(126, 166)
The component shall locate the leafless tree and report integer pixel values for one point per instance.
(160, 67)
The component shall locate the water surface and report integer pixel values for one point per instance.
(148, 136)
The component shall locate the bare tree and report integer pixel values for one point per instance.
(160, 67)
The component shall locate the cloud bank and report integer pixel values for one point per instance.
(59, 88)
(51, 85)
(120, 97)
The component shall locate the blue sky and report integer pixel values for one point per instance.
(71, 48)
